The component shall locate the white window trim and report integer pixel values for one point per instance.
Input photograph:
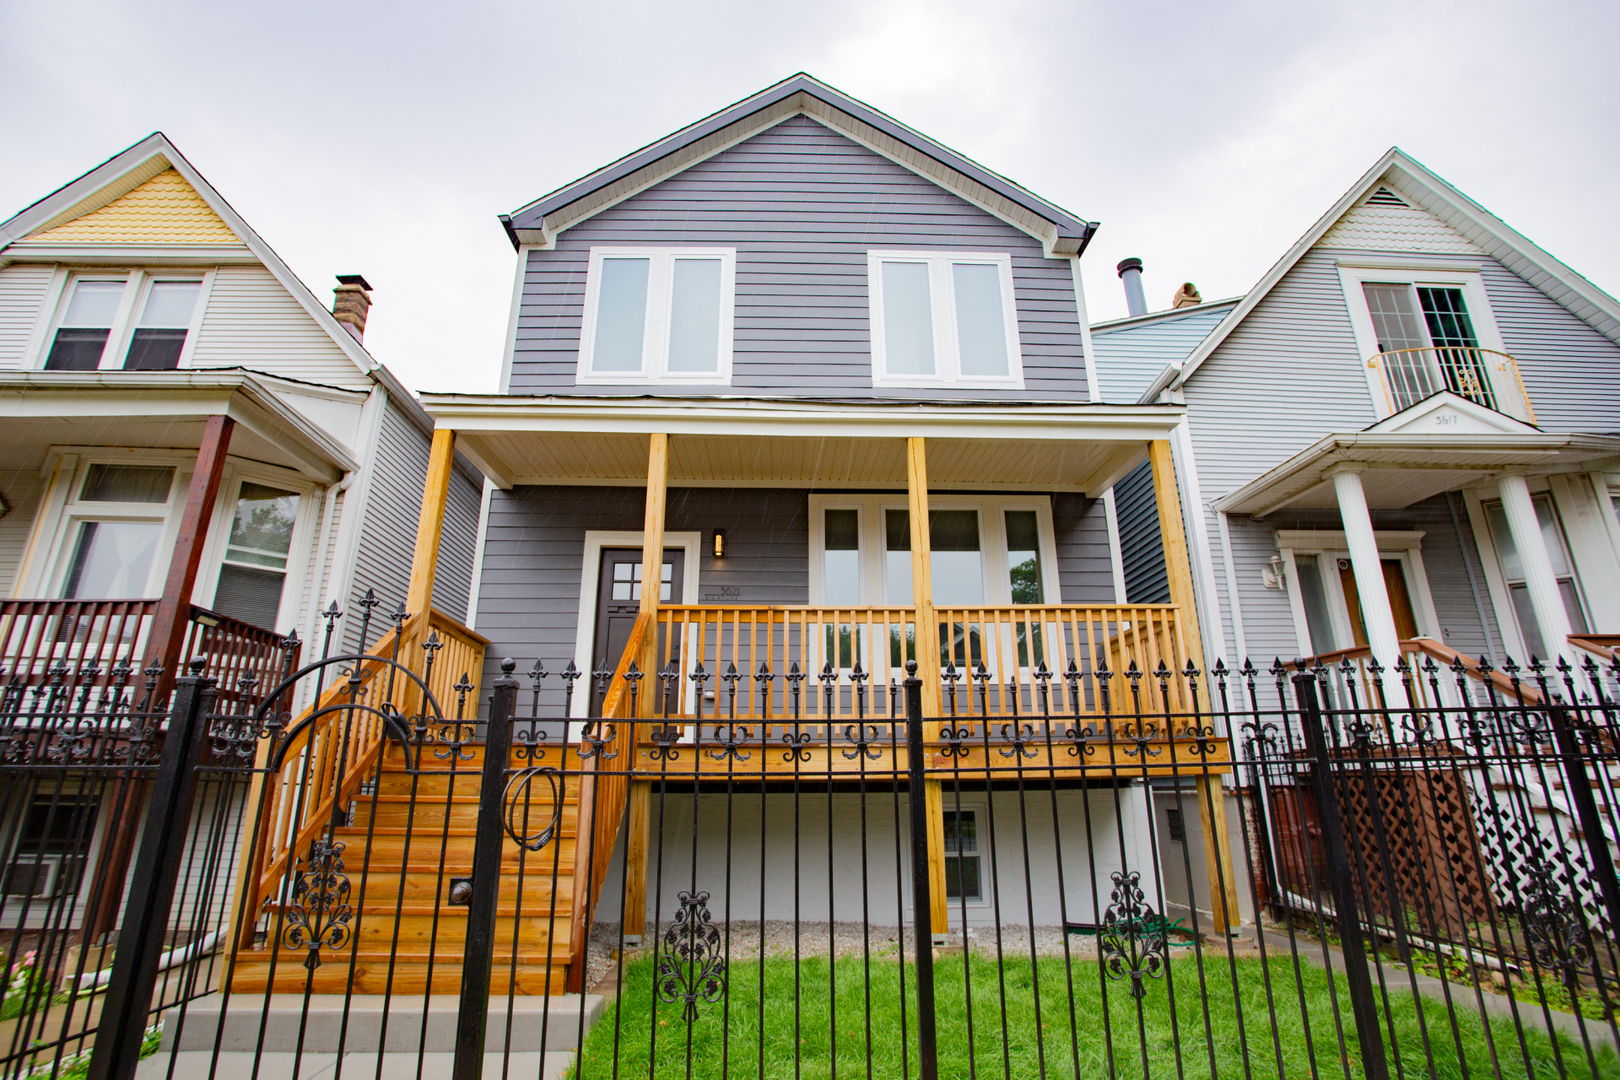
(992, 542)
(585, 631)
(299, 555)
(943, 307)
(1327, 547)
(655, 342)
(1353, 274)
(137, 285)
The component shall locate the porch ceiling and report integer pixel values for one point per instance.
(751, 443)
(158, 410)
(1399, 470)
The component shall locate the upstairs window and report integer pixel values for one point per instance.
(253, 575)
(87, 322)
(165, 320)
(658, 314)
(943, 319)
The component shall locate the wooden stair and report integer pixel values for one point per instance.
(405, 938)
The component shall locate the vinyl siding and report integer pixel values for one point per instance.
(22, 293)
(1570, 371)
(23, 491)
(802, 205)
(1129, 358)
(253, 322)
(1085, 564)
(388, 533)
(1136, 506)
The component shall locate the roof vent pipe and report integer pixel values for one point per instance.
(1130, 272)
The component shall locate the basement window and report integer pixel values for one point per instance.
(964, 879)
(658, 315)
(943, 319)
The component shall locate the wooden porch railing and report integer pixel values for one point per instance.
(103, 643)
(603, 797)
(1415, 649)
(1602, 646)
(320, 770)
(1010, 642)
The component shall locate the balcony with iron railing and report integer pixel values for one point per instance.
(1484, 376)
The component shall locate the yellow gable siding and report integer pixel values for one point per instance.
(164, 210)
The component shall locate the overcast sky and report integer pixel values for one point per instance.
(385, 138)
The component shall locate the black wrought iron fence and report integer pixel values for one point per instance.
(1284, 879)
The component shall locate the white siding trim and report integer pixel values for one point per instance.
(341, 584)
(478, 555)
(1611, 514)
(514, 311)
(1193, 513)
(1596, 569)
(1233, 603)
(1092, 382)
(1116, 551)
(1507, 620)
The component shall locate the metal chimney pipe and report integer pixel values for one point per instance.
(1130, 272)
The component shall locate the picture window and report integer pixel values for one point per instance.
(658, 315)
(943, 318)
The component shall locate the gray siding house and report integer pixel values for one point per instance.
(843, 377)
(1401, 442)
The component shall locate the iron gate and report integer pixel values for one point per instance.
(1077, 873)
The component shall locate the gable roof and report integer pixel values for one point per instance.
(1414, 183)
(43, 228)
(539, 222)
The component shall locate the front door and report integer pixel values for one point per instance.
(1400, 600)
(618, 600)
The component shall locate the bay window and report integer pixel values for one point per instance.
(943, 319)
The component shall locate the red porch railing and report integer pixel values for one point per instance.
(82, 645)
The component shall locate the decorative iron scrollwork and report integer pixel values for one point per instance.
(1133, 942)
(1553, 927)
(319, 913)
(691, 962)
(863, 740)
(521, 807)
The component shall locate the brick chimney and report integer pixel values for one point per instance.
(1186, 296)
(350, 302)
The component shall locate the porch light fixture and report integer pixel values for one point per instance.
(719, 543)
(1272, 575)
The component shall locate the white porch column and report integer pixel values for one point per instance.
(1358, 536)
(1545, 599)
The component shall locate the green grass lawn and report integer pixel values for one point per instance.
(1243, 1037)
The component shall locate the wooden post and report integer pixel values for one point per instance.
(637, 809)
(430, 524)
(1210, 792)
(922, 598)
(163, 644)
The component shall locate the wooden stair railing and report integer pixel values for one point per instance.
(308, 785)
(604, 792)
(1604, 647)
(1444, 655)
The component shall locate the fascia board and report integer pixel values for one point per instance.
(1252, 298)
(1343, 449)
(1498, 239)
(104, 395)
(123, 254)
(1130, 322)
(133, 166)
(1109, 423)
(1069, 233)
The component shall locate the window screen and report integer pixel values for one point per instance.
(161, 334)
(82, 336)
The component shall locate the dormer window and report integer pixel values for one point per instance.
(160, 336)
(658, 315)
(943, 319)
(87, 322)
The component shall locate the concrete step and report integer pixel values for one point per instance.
(245, 1015)
(200, 1065)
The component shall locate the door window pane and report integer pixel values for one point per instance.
(127, 484)
(908, 319)
(83, 334)
(981, 329)
(113, 560)
(957, 564)
(621, 315)
(161, 334)
(841, 568)
(694, 317)
(1024, 557)
(1395, 320)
